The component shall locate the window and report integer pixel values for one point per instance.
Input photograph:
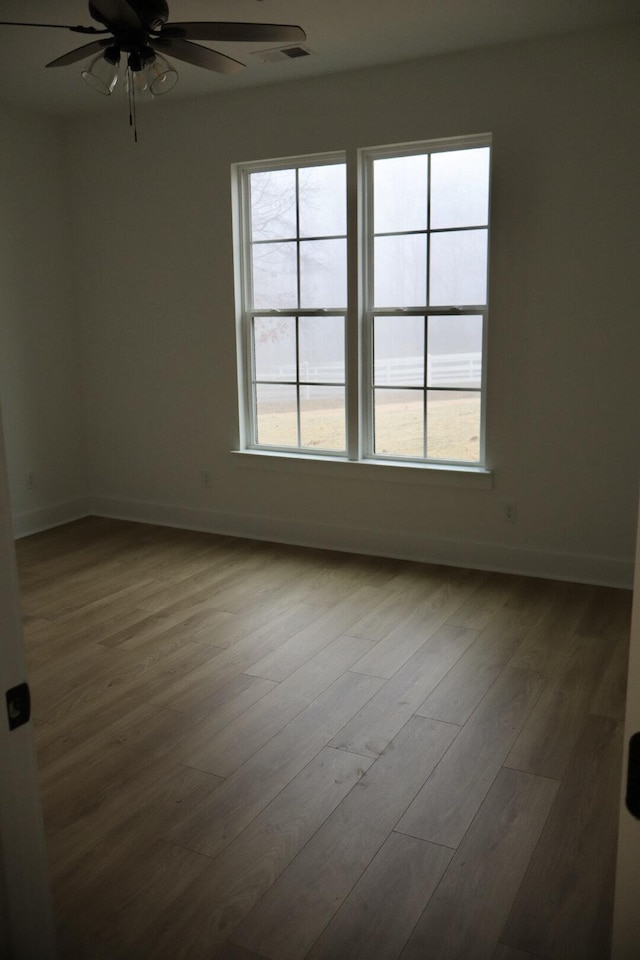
(395, 369)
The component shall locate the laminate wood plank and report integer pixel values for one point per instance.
(105, 761)
(137, 884)
(564, 906)
(505, 952)
(221, 573)
(220, 708)
(69, 550)
(233, 627)
(208, 911)
(208, 584)
(311, 639)
(608, 611)
(375, 726)
(63, 744)
(230, 663)
(191, 693)
(91, 623)
(545, 642)
(298, 906)
(60, 546)
(466, 914)
(108, 835)
(546, 743)
(281, 581)
(330, 576)
(244, 736)
(105, 703)
(180, 621)
(446, 805)
(97, 679)
(62, 596)
(394, 608)
(392, 653)
(144, 806)
(492, 594)
(459, 693)
(267, 583)
(201, 624)
(223, 706)
(211, 826)
(72, 945)
(407, 575)
(193, 559)
(610, 697)
(233, 952)
(376, 919)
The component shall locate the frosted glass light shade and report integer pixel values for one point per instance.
(101, 74)
(160, 75)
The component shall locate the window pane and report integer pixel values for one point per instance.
(399, 422)
(322, 418)
(455, 352)
(398, 344)
(458, 268)
(273, 205)
(453, 425)
(323, 273)
(460, 188)
(322, 193)
(276, 415)
(274, 348)
(321, 349)
(275, 276)
(400, 194)
(400, 271)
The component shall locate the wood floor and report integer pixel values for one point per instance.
(257, 751)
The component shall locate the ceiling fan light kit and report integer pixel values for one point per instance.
(140, 30)
(102, 72)
(147, 72)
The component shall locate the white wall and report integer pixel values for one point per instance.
(40, 383)
(153, 224)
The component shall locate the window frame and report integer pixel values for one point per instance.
(247, 313)
(360, 310)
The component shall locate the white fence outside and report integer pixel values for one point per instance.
(443, 370)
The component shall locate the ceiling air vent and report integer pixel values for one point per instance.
(282, 53)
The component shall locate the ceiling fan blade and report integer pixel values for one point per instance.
(51, 26)
(238, 32)
(194, 53)
(80, 53)
(115, 12)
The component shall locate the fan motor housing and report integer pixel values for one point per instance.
(153, 14)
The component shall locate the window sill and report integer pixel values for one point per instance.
(384, 471)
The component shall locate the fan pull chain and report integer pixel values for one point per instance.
(132, 104)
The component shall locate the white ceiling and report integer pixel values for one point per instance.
(341, 35)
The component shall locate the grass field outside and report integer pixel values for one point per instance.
(453, 425)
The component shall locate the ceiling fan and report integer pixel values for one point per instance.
(140, 30)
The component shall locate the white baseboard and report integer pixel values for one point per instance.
(501, 558)
(35, 521)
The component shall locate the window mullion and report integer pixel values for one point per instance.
(353, 345)
(425, 407)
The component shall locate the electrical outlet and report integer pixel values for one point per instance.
(207, 479)
(511, 512)
(29, 481)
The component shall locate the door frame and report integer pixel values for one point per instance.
(626, 915)
(26, 920)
